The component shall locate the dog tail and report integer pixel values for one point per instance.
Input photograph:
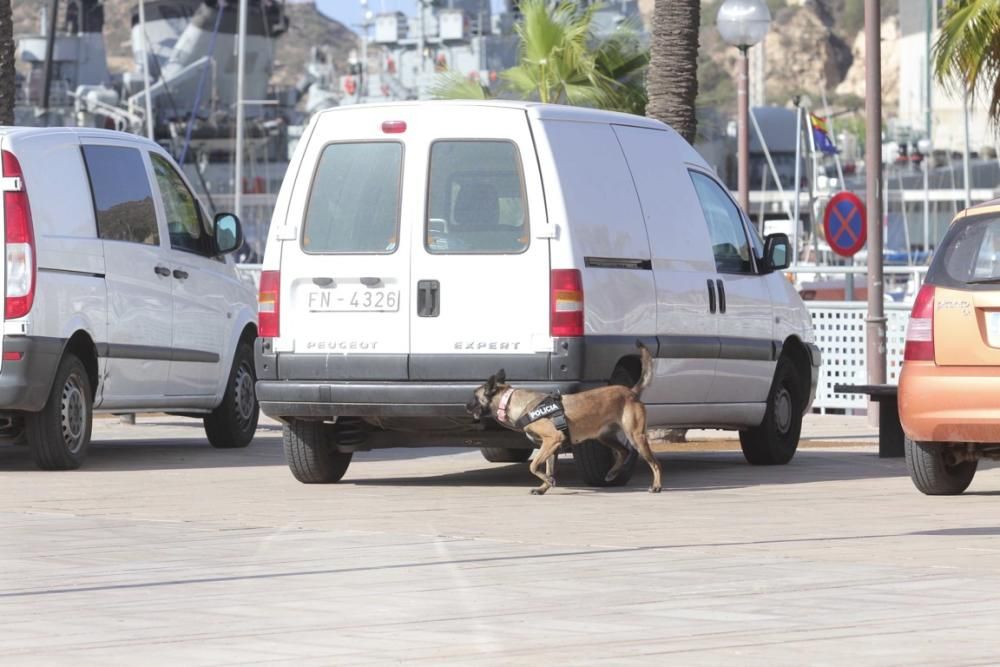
(646, 378)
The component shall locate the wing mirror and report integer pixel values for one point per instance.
(228, 233)
(777, 252)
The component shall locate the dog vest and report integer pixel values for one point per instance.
(550, 407)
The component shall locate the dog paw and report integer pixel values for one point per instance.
(655, 489)
(538, 492)
(552, 481)
(610, 477)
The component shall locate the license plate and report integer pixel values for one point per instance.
(353, 300)
(993, 329)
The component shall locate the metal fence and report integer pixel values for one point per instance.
(840, 334)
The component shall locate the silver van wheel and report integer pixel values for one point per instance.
(775, 440)
(233, 423)
(73, 411)
(59, 434)
(243, 387)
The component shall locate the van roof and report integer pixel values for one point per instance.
(93, 132)
(535, 109)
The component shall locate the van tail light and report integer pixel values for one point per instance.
(566, 303)
(394, 126)
(920, 330)
(20, 243)
(269, 304)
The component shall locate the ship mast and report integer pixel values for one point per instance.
(240, 75)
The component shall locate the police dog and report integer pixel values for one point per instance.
(598, 414)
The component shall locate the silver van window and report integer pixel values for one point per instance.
(123, 200)
(353, 204)
(725, 226)
(184, 220)
(475, 200)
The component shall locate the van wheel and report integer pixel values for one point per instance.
(233, 424)
(932, 474)
(593, 460)
(60, 434)
(504, 455)
(774, 442)
(310, 453)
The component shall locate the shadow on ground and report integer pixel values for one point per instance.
(127, 454)
(702, 470)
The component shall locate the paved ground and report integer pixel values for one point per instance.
(164, 551)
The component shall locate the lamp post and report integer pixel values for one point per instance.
(743, 23)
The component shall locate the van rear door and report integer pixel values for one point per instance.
(480, 272)
(345, 258)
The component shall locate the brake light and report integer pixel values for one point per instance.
(920, 330)
(269, 304)
(566, 318)
(20, 243)
(394, 126)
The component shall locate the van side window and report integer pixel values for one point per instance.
(185, 223)
(123, 200)
(475, 200)
(725, 226)
(354, 202)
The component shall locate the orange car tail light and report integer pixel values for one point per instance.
(920, 330)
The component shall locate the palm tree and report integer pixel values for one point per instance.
(8, 86)
(967, 51)
(561, 61)
(672, 81)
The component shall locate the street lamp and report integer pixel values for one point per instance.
(743, 23)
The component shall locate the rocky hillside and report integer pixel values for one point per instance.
(813, 45)
(308, 26)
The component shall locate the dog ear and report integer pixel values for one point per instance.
(501, 376)
(491, 383)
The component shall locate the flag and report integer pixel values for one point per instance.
(821, 134)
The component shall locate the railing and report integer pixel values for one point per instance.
(839, 327)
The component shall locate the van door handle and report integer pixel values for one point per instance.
(722, 296)
(428, 298)
(711, 296)
(162, 271)
(180, 275)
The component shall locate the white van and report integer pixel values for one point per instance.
(117, 294)
(417, 248)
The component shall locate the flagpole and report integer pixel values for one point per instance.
(797, 189)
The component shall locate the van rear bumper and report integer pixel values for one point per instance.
(284, 398)
(25, 384)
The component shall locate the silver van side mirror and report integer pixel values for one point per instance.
(777, 252)
(228, 233)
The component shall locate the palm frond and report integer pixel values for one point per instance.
(454, 86)
(967, 50)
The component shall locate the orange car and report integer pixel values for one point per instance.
(949, 390)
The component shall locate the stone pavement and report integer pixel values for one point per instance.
(164, 551)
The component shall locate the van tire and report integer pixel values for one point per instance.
(59, 434)
(931, 474)
(775, 440)
(233, 424)
(593, 460)
(504, 455)
(310, 453)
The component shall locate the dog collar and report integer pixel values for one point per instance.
(504, 401)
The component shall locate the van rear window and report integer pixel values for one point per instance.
(969, 255)
(354, 200)
(476, 202)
